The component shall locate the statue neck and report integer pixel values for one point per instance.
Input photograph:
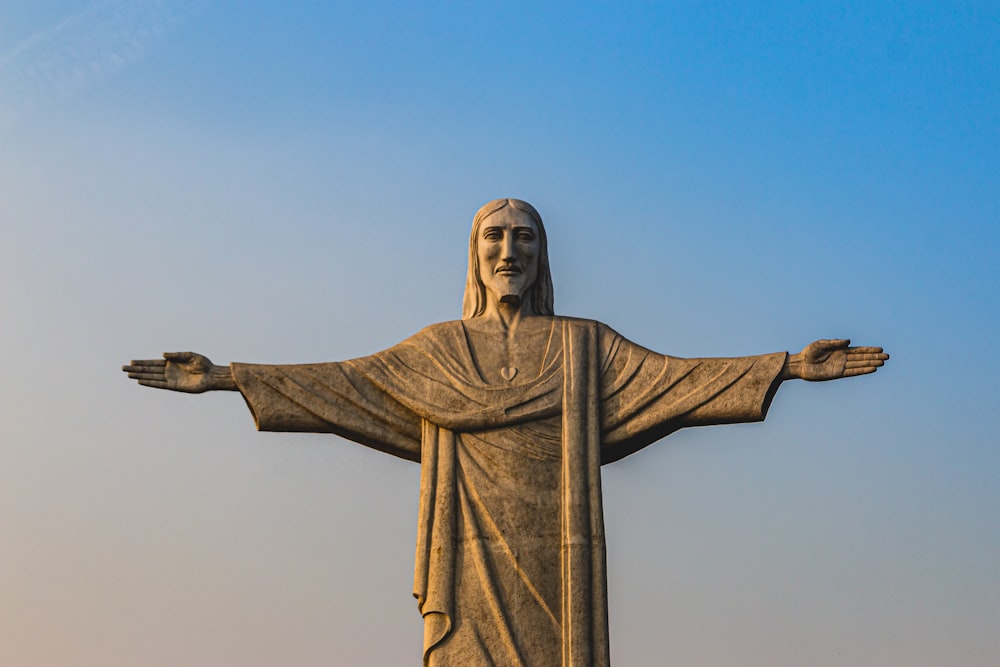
(507, 312)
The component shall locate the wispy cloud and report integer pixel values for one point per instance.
(86, 46)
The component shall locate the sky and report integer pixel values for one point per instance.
(294, 182)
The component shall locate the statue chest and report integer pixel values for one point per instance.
(503, 357)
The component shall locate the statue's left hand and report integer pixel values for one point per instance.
(833, 359)
(189, 372)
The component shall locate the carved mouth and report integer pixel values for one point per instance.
(508, 270)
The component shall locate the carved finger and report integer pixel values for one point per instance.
(159, 384)
(865, 355)
(868, 363)
(834, 342)
(868, 355)
(136, 371)
(149, 362)
(175, 356)
(146, 376)
(143, 368)
(881, 358)
(866, 349)
(848, 372)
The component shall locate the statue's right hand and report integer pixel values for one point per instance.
(178, 371)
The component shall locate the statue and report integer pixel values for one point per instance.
(510, 411)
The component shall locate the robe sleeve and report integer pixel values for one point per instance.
(341, 398)
(646, 396)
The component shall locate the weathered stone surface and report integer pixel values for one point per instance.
(510, 412)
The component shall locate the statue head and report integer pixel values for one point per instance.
(540, 289)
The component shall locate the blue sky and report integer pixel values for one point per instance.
(294, 182)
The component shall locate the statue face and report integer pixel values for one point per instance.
(507, 247)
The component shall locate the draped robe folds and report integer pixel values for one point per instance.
(510, 563)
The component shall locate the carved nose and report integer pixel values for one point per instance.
(507, 251)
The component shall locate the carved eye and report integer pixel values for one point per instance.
(525, 235)
(492, 234)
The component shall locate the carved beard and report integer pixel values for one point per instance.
(510, 291)
(513, 298)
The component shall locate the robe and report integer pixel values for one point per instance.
(510, 563)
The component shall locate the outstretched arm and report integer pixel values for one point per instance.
(832, 360)
(342, 398)
(182, 371)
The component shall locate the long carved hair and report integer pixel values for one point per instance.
(474, 302)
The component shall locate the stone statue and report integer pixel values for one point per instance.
(510, 411)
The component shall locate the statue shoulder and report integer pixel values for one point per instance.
(440, 333)
(603, 330)
(440, 328)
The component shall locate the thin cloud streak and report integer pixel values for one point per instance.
(89, 45)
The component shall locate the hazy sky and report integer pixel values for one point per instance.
(291, 182)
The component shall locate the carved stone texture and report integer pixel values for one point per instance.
(510, 411)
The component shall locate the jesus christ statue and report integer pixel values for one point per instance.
(510, 412)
